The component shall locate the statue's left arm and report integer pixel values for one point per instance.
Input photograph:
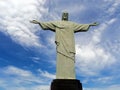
(83, 27)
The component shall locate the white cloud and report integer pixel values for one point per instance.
(20, 75)
(112, 7)
(21, 79)
(115, 4)
(35, 59)
(113, 46)
(15, 17)
(16, 71)
(112, 87)
(104, 80)
(20, 87)
(47, 74)
(92, 57)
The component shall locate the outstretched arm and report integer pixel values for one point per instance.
(45, 25)
(35, 22)
(83, 27)
(94, 24)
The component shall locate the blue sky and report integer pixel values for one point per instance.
(28, 55)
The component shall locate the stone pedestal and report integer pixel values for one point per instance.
(66, 84)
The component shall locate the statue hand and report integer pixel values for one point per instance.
(94, 24)
(34, 21)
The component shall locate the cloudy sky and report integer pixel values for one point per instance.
(28, 55)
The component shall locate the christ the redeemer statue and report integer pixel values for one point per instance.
(65, 43)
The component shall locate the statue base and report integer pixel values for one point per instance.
(66, 84)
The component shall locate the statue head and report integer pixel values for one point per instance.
(65, 16)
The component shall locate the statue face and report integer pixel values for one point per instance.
(65, 16)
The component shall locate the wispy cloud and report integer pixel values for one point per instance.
(21, 79)
(20, 75)
(92, 57)
(112, 87)
(46, 74)
(114, 6)
(15, 17)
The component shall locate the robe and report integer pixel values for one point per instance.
(65, 45)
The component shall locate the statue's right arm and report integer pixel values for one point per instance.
(35, 22)
(45, 25)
